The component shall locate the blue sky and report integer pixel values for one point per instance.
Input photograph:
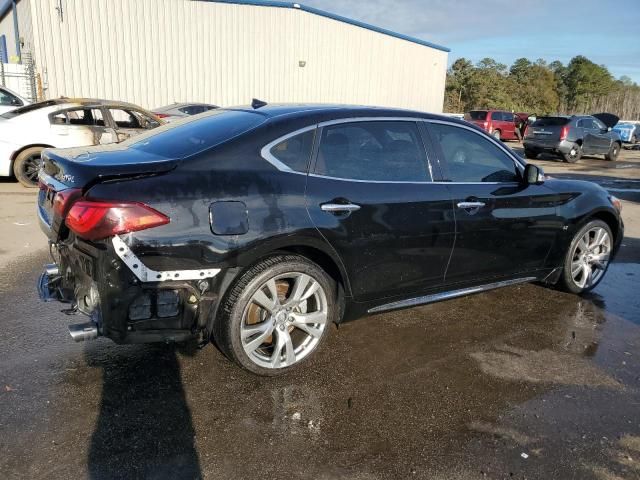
(605, 31)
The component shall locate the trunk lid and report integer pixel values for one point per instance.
(67, 173)
(609, 119)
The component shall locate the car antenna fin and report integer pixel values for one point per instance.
(256, 104)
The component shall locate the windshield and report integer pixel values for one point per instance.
(28, 108)
(477, 115)
(551, 122)
(191, 135)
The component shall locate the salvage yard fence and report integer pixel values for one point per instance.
(21, 78)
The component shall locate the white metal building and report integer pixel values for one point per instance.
(155, 52)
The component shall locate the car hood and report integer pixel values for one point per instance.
(609, 119)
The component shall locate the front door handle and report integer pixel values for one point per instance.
(468, 205)
(339, 207)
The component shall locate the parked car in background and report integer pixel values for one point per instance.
(10, 100)
(26, 131)
(499, 123)
(629, 132)
(570, 137)
(258, 228)
(180, 110)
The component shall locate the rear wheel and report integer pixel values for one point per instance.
(634, 139)
(531, 154)
(587, 258)
(26, 166)
(277, 315)
(573, 155)
(614, 151)
(497, 134)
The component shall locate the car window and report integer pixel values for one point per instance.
(550, 122)
(148, 122)
(477, 115)
(192, 109)
(470, 157)
(508, 117)
(377, 151)
(295, 151)
(128, 118)
(586, 123)
(597, 124)
(8, 99)
(85, 116)
(496, 116)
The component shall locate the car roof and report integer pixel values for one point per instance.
(181, 104)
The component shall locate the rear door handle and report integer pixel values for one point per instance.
(467, 205)
(339, 207)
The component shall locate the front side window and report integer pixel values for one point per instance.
(295, 152)
(374, 151)
(508, 117)
(469, 157)
(497, 116)
(132, 119)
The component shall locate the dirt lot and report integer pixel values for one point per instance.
(524, 382)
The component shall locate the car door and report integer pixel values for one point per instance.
(78, 127)
(503, 227)
(602, 137)
(129, 122)
(371, 195)
(508, 126)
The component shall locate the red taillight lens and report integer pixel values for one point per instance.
(526, 130)
(485, 125)
(564, 132)
(161, 115)
(94, 220)
(63, 199)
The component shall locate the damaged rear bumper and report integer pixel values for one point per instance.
(125, 300)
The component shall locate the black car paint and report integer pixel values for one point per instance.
(400, 244)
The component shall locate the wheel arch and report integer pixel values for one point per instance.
(31, 145)
(608, 218)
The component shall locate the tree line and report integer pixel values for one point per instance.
(540, 88)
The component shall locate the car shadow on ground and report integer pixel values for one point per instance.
(144, 427)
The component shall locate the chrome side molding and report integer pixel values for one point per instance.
(438, 297)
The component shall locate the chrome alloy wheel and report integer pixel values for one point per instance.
(591, 257)
(284, 320)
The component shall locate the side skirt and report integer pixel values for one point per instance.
(438, 297)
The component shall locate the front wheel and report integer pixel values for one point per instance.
(277, 314)
(612, 156)
(530, 154)
(587, 258)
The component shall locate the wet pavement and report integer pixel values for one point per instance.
(523, 382)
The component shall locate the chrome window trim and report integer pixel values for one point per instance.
(265, 152)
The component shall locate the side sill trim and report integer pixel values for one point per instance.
(145, 274)
(438, 297)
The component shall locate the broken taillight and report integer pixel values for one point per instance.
(95, 220)
(63, 200)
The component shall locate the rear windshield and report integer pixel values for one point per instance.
(551, 122)
(191, 135)
(477, 115)
(28, 108)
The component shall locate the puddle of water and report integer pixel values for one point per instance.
(618, 291)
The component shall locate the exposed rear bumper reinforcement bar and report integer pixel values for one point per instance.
(145, 274)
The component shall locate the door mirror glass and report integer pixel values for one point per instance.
(533, 175)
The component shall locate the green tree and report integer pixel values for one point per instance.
(585, 82)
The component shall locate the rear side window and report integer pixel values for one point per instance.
(374, 151)
(469, 157)
(497, 116)
(7, 99)
(550, 122)
(295, 152)
(477, 115)
(507, 117)
(194, 134)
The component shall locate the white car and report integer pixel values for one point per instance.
(10, 100)
(64, 123)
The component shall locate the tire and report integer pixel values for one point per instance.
(249, 333)
(634, 139)
(531, 154)
(576, 265)
(614, 151)
(573, 155)
(497, 134)
(27, 165)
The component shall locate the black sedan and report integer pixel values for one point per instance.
(257, 228)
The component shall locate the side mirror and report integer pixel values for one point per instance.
(15, 102)
(533, 175)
